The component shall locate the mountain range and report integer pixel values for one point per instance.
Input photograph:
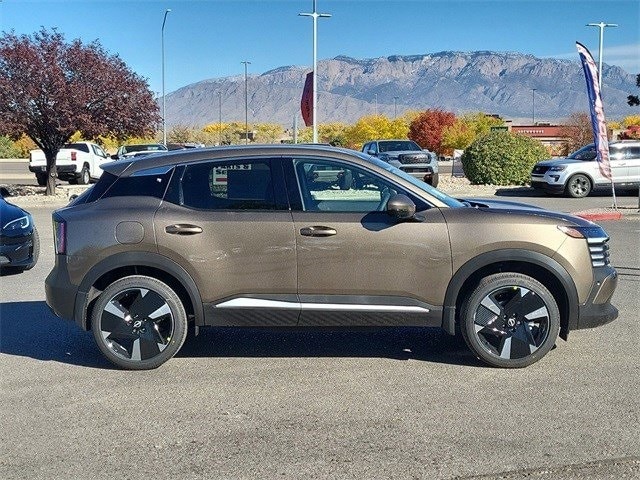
(348, 88)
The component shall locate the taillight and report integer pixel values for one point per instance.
(73, 156)
(60, 236)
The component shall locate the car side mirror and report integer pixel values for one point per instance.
(401, 207)
(371, 152)
(114, 156)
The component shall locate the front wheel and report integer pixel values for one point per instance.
(139, 323)
(578, 186)
(510, 320)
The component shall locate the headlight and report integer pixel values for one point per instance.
(558, 168)
(17, 225)
(592, 234)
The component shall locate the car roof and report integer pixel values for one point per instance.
(127, 167)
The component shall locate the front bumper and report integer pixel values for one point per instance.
(547, 187)
(16, 251)
(597, 310)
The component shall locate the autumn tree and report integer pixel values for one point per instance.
(467, 129)
(375, 127)
(426, 130)
(50, 89)
(577, 131)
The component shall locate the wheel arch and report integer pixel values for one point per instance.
(584, 174)
(137, 263)
(537, 265)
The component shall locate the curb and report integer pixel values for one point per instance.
(594, 217)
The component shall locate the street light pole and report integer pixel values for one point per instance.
(601, 26)
(164, 108)
(246, 103)
(376, 104)
(533, 106)
(219, 118)
(315, 15)
(395, 107)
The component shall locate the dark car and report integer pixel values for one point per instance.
(19, 240)
(407, 156)
(138, 150)
(311, 236)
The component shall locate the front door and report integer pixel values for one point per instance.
(355, 261)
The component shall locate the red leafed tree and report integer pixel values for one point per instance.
(49, 89)
(426, 129)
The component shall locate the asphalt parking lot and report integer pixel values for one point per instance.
(252, 403)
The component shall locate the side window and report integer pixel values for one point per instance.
(633, 153)
(149, 183)
(98, 151)
(333, 186)
(228, 185)
(617, 154)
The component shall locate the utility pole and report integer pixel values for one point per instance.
(164, 109)
(246, 104)
(533, 106)
(315, 15)
(395, 107)
(601, 26)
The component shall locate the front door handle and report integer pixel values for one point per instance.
(183, 229)
(317, 231)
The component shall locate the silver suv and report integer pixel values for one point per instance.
(578, 174)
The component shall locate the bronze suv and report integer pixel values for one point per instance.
(301, 236)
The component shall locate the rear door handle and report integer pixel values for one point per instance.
(183, 229)
(317, 231)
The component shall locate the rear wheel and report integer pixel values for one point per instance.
(578, 186)
(41, 178)
(139, 323)
(510, 320)
(84, 177)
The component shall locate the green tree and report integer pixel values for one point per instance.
(468, 128)
(268, 132)
(502, 158)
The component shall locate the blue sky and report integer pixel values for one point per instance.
(206, 39)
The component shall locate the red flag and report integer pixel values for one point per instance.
(597, 111)
(306, 103)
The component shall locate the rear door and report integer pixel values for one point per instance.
(225, 222)
(357, 265)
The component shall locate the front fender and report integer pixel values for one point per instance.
(502, 256)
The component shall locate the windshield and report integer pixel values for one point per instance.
(398, 146)
(585, 153)
(443, 197)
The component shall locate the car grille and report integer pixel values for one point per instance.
(408, 158)
(599, 251)
(540, 169)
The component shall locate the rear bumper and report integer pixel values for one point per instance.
(62, 296)
(64, 169)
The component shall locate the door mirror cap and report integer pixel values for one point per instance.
(401, 207)
(371, 152)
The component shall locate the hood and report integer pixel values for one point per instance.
(559, 161)
(525, 208)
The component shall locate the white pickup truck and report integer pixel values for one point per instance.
(77, 162)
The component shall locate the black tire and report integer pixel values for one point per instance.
(494, 320)
(578, 186)
(41, 178)
(35, 252)
(124, 329)
(84, 177)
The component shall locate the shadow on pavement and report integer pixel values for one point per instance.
(30, 329)
(533, 192)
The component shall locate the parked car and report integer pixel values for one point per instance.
(407, 156)
(578, 174)
(138, 150)
(77, 162)
(19, 240)
(306, 236)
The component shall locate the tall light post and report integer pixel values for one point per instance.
(533, 106)
(315, 15)
(395, 107)
(376, 104)
(219, 118)
(601, 26)
(164, 107)
(246, 103)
